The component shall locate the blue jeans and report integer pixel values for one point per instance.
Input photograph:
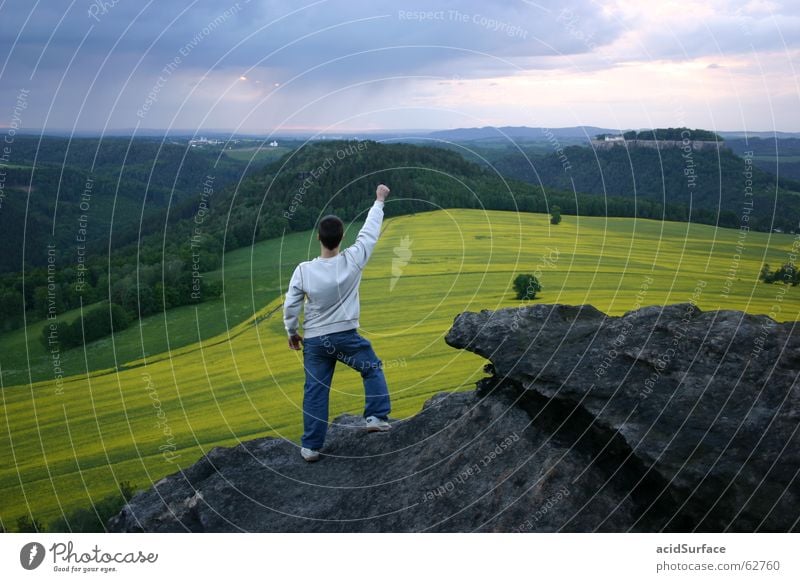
(320, 355)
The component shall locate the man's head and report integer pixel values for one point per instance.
(331, 231)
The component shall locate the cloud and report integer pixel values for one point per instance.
(695, 28)
(352, 56)
(411, 36)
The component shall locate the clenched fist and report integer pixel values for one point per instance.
(295, 341)
(382, 192)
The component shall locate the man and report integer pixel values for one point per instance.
(329, 285)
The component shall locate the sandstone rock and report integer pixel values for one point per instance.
(707, 402)
(461, 464)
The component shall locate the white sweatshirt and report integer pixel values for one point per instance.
(330, 286)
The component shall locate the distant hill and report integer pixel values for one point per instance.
(68, 208)
(759, 134)
(709, 181)
(340, 177)
(526, 133)
(86, 192)
(570, 134)
(779, 156)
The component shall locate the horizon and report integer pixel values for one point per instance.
(295, 132)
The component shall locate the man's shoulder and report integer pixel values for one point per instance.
(314, 264)
(301, 268)
(347, 253)
(308, 263)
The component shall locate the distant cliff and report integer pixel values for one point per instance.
(664, 419)
(658, 144)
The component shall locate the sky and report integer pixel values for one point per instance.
(260, 66)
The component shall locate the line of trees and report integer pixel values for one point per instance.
(92, 325)
(133, 296)
(673, 134)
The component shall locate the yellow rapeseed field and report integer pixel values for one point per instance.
(63, 446)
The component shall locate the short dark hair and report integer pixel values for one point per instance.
(331, 231)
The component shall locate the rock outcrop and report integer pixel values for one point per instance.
(705, 404)
(664, 419)
(463, 463)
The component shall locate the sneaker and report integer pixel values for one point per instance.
(375, 424)
(310, 455)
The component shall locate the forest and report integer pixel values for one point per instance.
(709, 186)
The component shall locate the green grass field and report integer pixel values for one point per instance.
(62, 448)
(256, 154)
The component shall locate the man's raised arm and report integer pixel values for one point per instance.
(361, 250)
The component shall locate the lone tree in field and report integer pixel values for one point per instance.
(527, 286)
(787, 274)
(555, 215)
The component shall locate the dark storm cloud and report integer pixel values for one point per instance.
(737, 31)
(298, 36)
(106, 51)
